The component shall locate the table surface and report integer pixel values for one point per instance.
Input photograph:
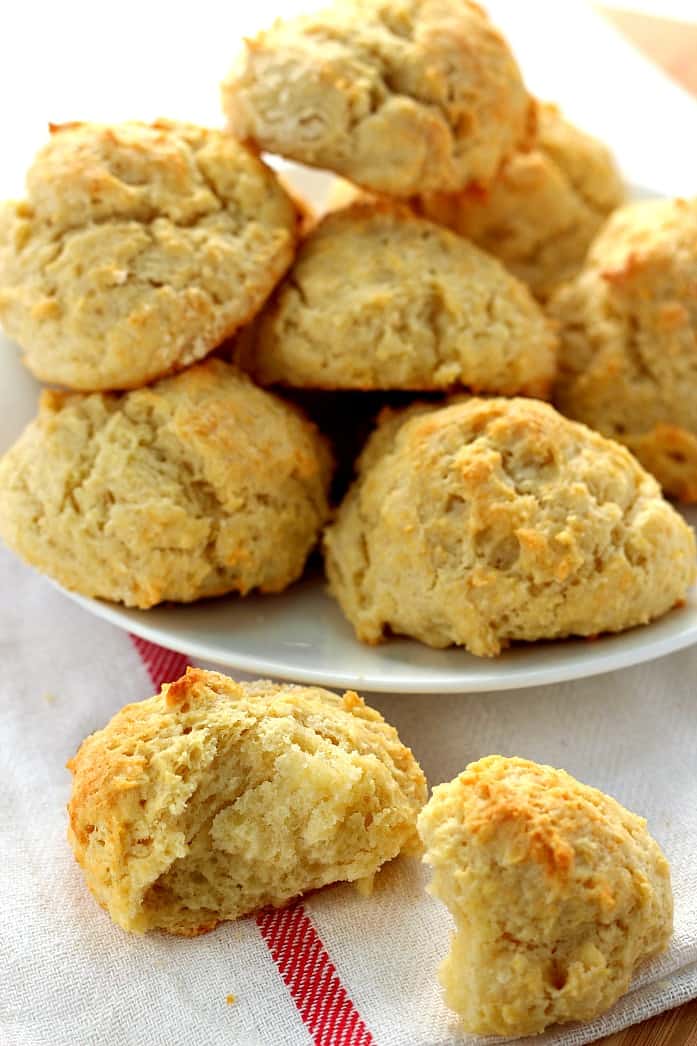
(673, 46)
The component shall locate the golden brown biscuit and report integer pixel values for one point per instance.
(628, 325)
(217, 798)
(558, 894)
(138, 250)
(541, 213)
(401, 96)
(199, 485)
(379, 299)
(488, 521)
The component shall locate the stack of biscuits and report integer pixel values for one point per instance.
(476, 260)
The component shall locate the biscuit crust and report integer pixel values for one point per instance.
(542, 211)
(628, 329)
(380, 299)
(198, 485)
(487, 521)
(217, 798)
(400, 96)
(558, 894)
(138, 250)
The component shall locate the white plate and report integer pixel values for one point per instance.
(302, 635)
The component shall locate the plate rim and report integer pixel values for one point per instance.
(560, 671)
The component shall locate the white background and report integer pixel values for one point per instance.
(139, 59)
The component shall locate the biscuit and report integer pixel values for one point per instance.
(379, 299)
(400, 96)
(558, 894)
(138, 250)
(541, 213)
(487, 521)
(217, 798)
(198, 485)
(628, 327)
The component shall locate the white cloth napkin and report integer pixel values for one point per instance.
(71, 978)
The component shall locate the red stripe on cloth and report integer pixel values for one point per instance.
(311, 978)
(163, 665)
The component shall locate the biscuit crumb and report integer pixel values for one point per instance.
(364, 887)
